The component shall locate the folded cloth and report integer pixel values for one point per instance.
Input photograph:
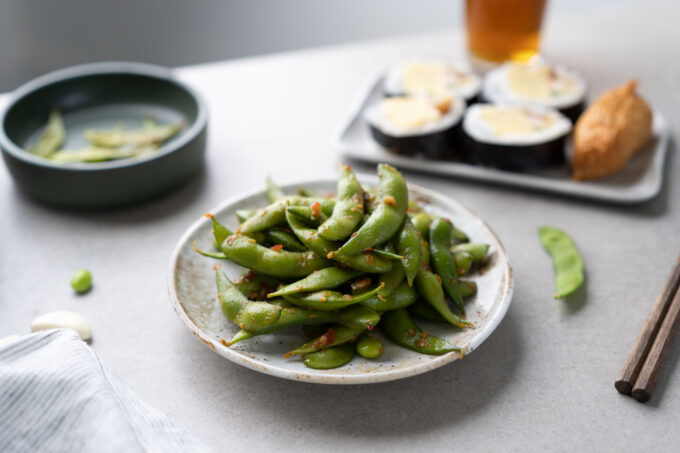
(56, 396)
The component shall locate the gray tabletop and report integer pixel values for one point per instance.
(542, 381)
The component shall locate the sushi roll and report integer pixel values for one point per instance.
(417, 124)
(537, 83)
(433, 77)
(517, 138)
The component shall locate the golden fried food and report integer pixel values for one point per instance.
(610, 131)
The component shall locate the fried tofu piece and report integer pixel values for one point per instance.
(609, 132)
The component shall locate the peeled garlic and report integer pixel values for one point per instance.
(63, 320)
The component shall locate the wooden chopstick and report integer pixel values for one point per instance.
(638, 356)
(646, 381)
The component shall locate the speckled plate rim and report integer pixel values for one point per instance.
(491, 323)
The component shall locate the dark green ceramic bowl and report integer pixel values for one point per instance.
(101, 96)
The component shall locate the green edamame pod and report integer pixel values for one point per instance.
(275, 213)
(364, 262)
(400, 328)
(463, 262)
(311, 217)
(273, 191)
(477, 251)
(246, 252)
(256, 286)
(220, 232)
(334, 357)
(328, 300)
(348, 210)
(386, 298)
(336, 335)
(287, 240)
(424, 310)
(566, 259)
(369, 347)
(327, 278)
(466, 288)
(413, 207)
(422, 223)
(459, 236)
(430, 287)
(387, 217)
(442, 261)
(244, 214)
(51, 137)
(408, 245)
(305, 192)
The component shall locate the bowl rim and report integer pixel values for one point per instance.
(325, 378)
(102, 68)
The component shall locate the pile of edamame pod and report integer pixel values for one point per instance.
(341, 266)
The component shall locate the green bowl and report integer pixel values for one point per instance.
(101, 96)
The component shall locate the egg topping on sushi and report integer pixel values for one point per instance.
(540, 84)
(417, 124)
(515, 138)
(433, 78)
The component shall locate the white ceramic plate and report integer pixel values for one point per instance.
(639, 181)
(193, 294)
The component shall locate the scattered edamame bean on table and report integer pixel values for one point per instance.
(345, 265)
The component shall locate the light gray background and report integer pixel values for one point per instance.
(542, 382)
(38, 36)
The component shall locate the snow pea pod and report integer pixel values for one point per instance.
(442, 261)
(566, 259)
(248, 253)
(328, 300)
(430, 287)
(348, 210)
(275, 213)
(51, 137)
(387, 217)
(327, 278)
(408, 246)
(334, 357)
(364, 262)
(400, 328)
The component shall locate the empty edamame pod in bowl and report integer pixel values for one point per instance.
(351, 295)
(102, 138)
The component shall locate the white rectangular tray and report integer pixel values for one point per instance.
(639, 181)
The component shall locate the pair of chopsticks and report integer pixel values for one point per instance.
(645, 360)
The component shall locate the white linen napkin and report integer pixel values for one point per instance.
(56, 396)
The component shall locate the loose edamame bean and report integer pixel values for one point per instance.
(567, 261)
(81, 281)
(369, 347)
